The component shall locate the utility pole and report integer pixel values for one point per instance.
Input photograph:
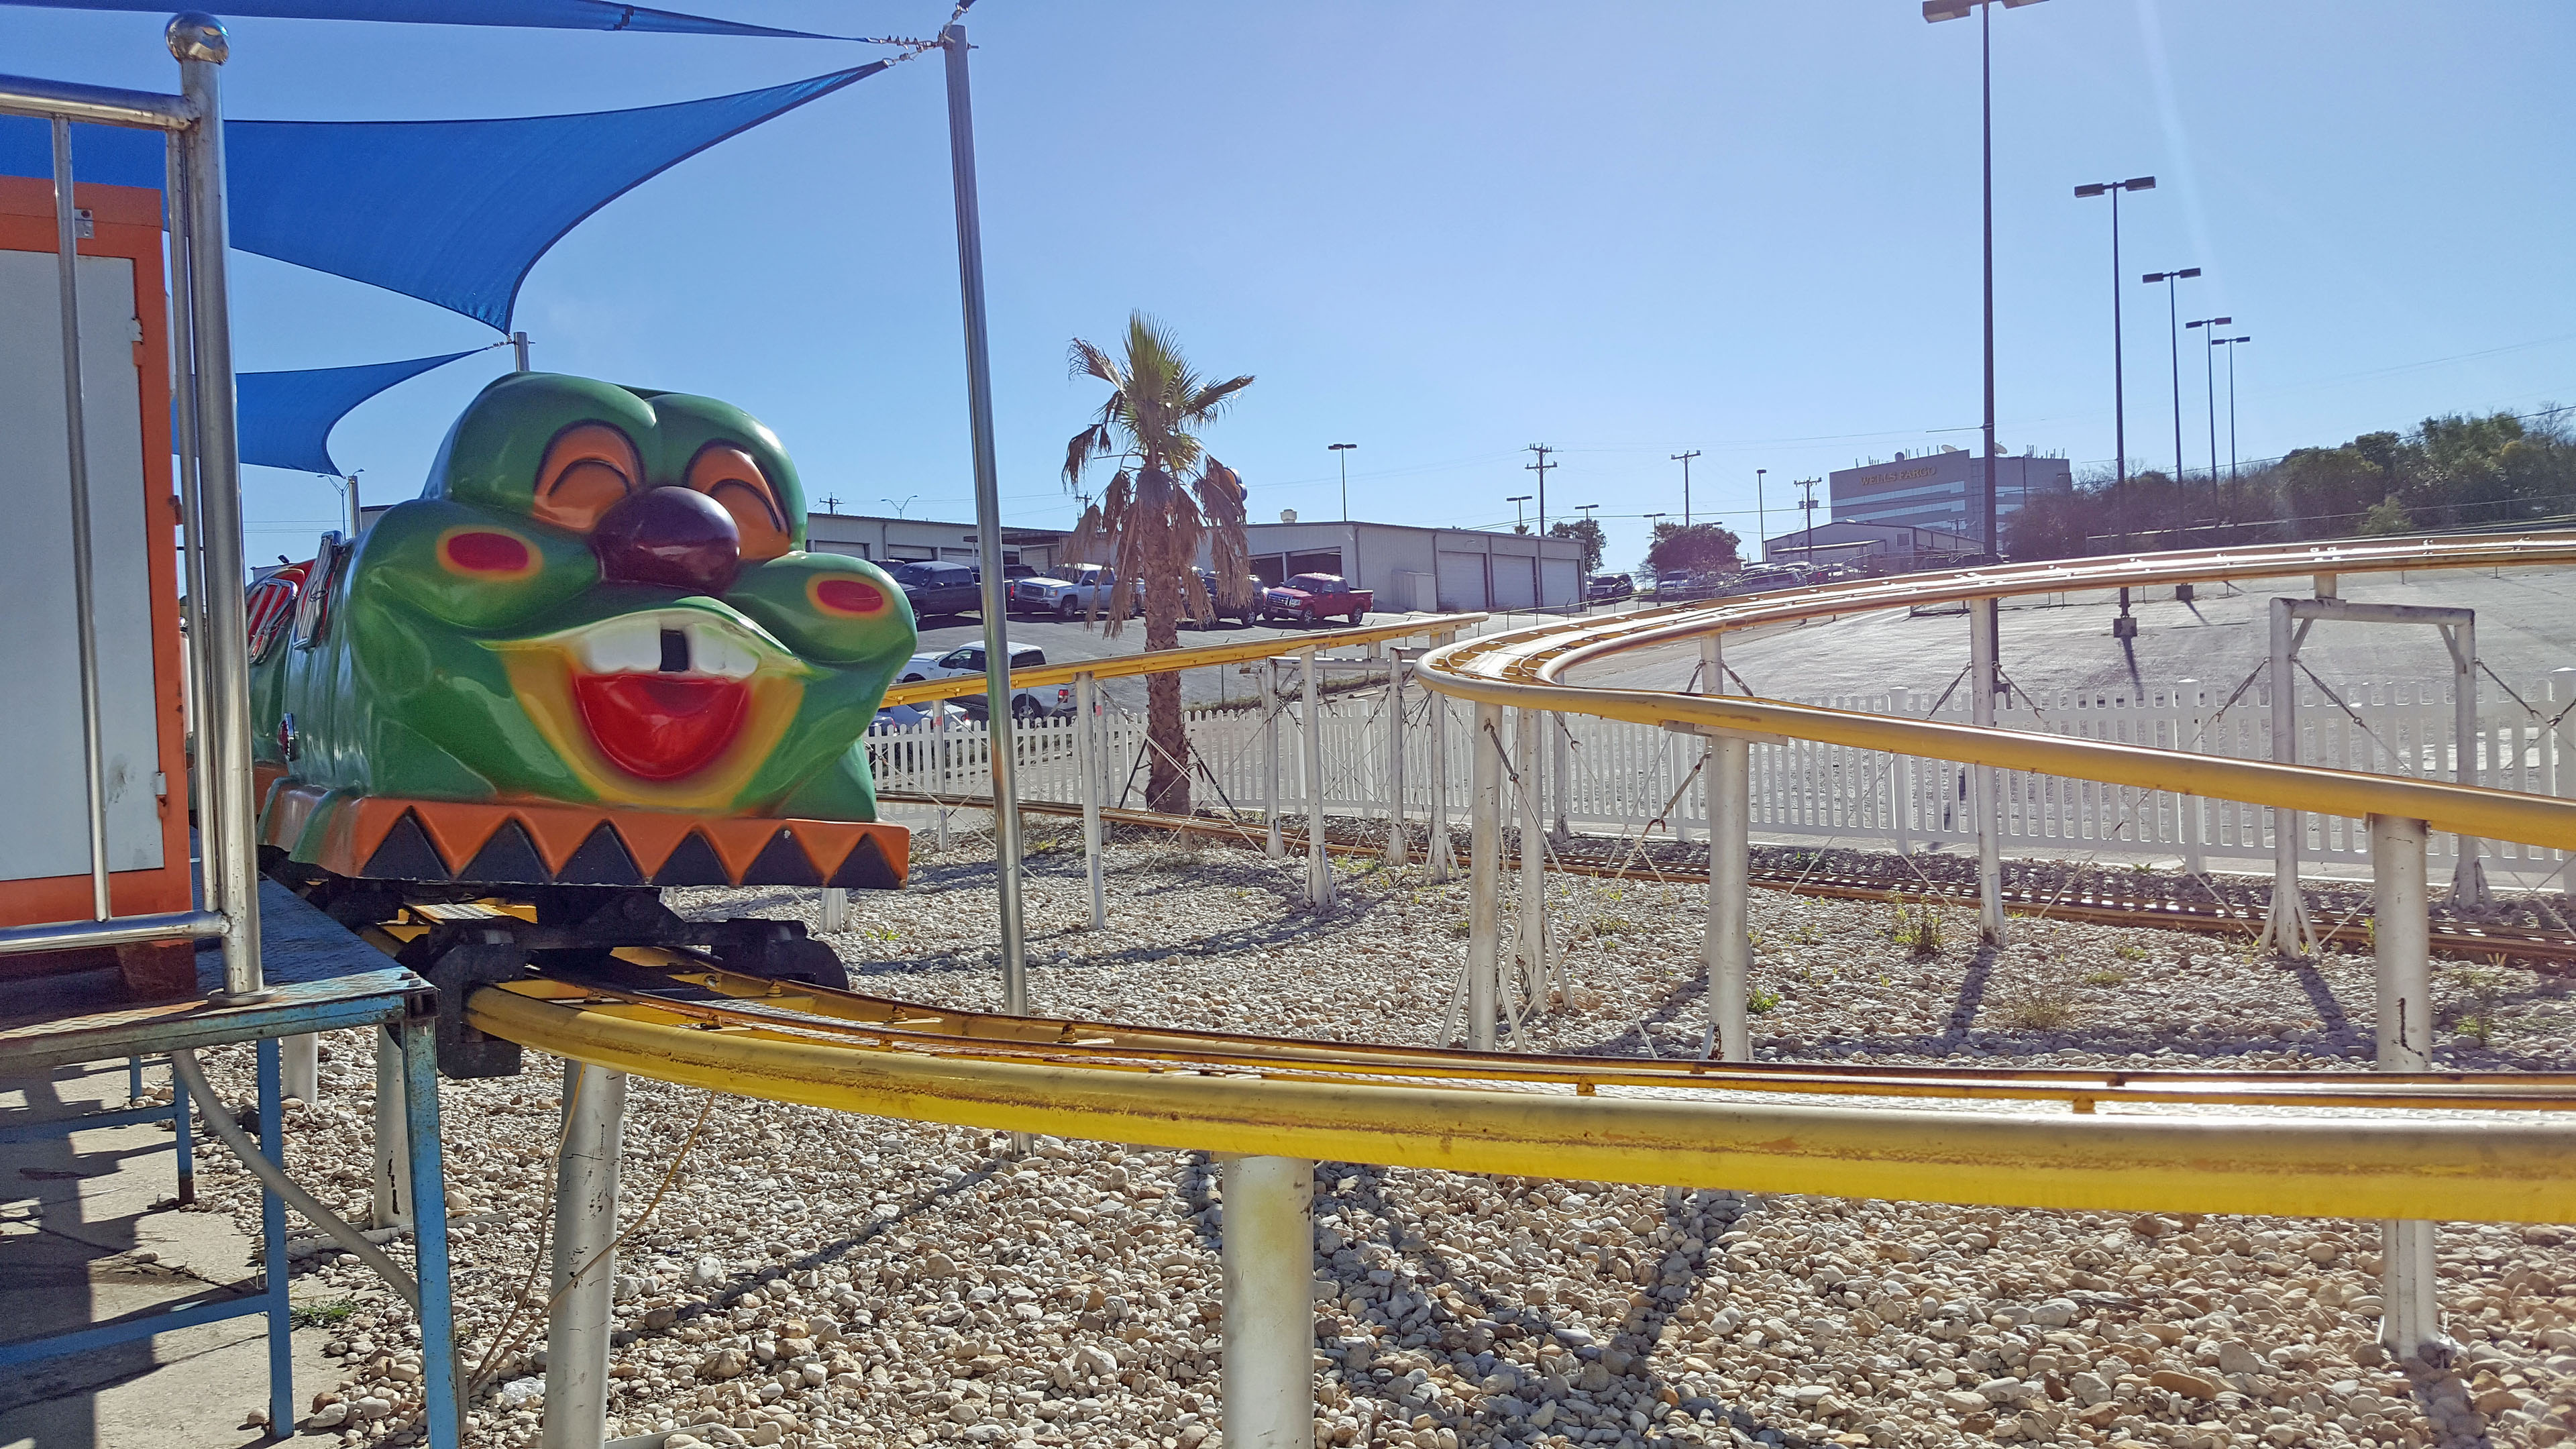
(1761, 517)
(1684, 460)
(1807, 506)
(1539, 585)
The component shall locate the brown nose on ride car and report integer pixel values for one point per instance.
(675, 538)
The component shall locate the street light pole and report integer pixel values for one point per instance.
(1684, 460)
(2119, 354)
(2230, 344)
(1761, 516)
(1342, 455)
(1520, 520)
(2209, 380)
(2173, 317)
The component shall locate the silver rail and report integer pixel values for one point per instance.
(76, 454)
(124, 931)
(106, 105)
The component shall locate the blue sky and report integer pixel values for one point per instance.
(1443, 231)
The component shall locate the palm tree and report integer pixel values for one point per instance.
(1168, 496)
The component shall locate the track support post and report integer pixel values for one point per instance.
(1268, 1253)
(300, 1061)
(2286, 928)
(1319, 866)
(1727, 950)
(834, 909)
(585, 1271)
(1560, 779)
(1086, 760)
(1398, 852)
(2410, 1324)
(1270, 706)
(1442, 862)
(1484, 877)
(1529, 944)
(1983, 679)
(2468, 876)
(389, 1196)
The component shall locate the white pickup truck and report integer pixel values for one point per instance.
(1077, 597)
(1054, 699)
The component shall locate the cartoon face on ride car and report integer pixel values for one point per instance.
(602, 596)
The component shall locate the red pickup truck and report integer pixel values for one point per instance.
(1309, 597)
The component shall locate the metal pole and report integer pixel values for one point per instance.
(940, 747)
(440, 1389)
(2468, 874)
(1268, 1254)
(1530, 947)
(1727, 949)
(76, 454)
(519, 351)
(988, 523)
(2285, 922)
(1986, 91)
(2173, 337)
(2410, 1324)
(1319, 869)
(2119, 384)
(1484, 875)
(1086, 750)
(389, 1187)
(357, 515)
(835, 909)
(585, 1271)
(2209, 390)
(1398, 850)
(1981, 713)
(1270, 707)
(1439, 705)
(2231, 412)
(223, 744)
(177, 191)
(303, 1067)
(275, 1271)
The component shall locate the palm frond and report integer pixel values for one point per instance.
(1087, 359)
(1208, 403)
(1078, 450)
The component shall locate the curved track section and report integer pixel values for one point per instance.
(2171, 1141)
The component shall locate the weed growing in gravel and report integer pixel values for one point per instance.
(1916, 928)
(2482, 987)
(2037, 1008)
(2129, 951)
(1612, 925)
(2106, 977)
(321, 1315)
(1761, 999)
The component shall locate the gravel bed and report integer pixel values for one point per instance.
(819, 1279)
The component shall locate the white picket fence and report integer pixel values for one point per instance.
(1623, 779)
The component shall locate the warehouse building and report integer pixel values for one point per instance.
(891, 541)
(1423, 570)
(1941, 489)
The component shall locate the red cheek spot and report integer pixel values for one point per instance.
(848, 596)
(485, 553)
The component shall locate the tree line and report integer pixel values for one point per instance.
(2452, 472)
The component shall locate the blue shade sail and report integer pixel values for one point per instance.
(287, 417)
(525, 14)
(452, 212)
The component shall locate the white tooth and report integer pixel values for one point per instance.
(623, 646)
(715, 651)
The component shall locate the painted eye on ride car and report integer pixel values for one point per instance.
(847, 598)
(589, 468)
(728, 475)
(486, 553)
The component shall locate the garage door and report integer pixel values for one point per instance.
(1461, 581)
(1562, 588)
(1515, 582)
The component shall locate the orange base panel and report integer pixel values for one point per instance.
(383, 838)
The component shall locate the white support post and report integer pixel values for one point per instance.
(939, 755)
(1439, 705)
(2285, 924)
(1319, 866)
(1398, 852)
(1530, 944)
(1270, 705)
(2410, 1324)
(299, 1068)
(585, 1271)
(1900, 780)
(1981, 712)
(1086, 761)
(835, 909)
(1484, 875)
(1560, 779)
(389, 1191)
(1727, 950)
(1268, 1255)
(2468, 876)
(2191, 812)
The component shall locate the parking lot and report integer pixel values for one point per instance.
(1064, 642)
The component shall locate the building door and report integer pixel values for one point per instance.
(1461, 581)
(1515, 581)
(1563, 586)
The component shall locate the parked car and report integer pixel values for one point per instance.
(1306, 598)
(935, 586)
(1068, 598)
(1052, 699)
(1610, 586)
(1242, 613)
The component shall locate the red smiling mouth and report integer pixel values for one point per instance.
(661, 726)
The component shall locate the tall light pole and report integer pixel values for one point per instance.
(2209, 379)
(1761, 517)
(2119, 387)
(1684, 460)
(2173, 316)
(1935, 11)
(1520, 520)
(2230, 344)
(1342, 455)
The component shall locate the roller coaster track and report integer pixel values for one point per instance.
(2214, 1142)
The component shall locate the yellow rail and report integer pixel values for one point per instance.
(1169, 660)
(1572, 1117)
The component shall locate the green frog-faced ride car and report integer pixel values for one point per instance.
(593, 658)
